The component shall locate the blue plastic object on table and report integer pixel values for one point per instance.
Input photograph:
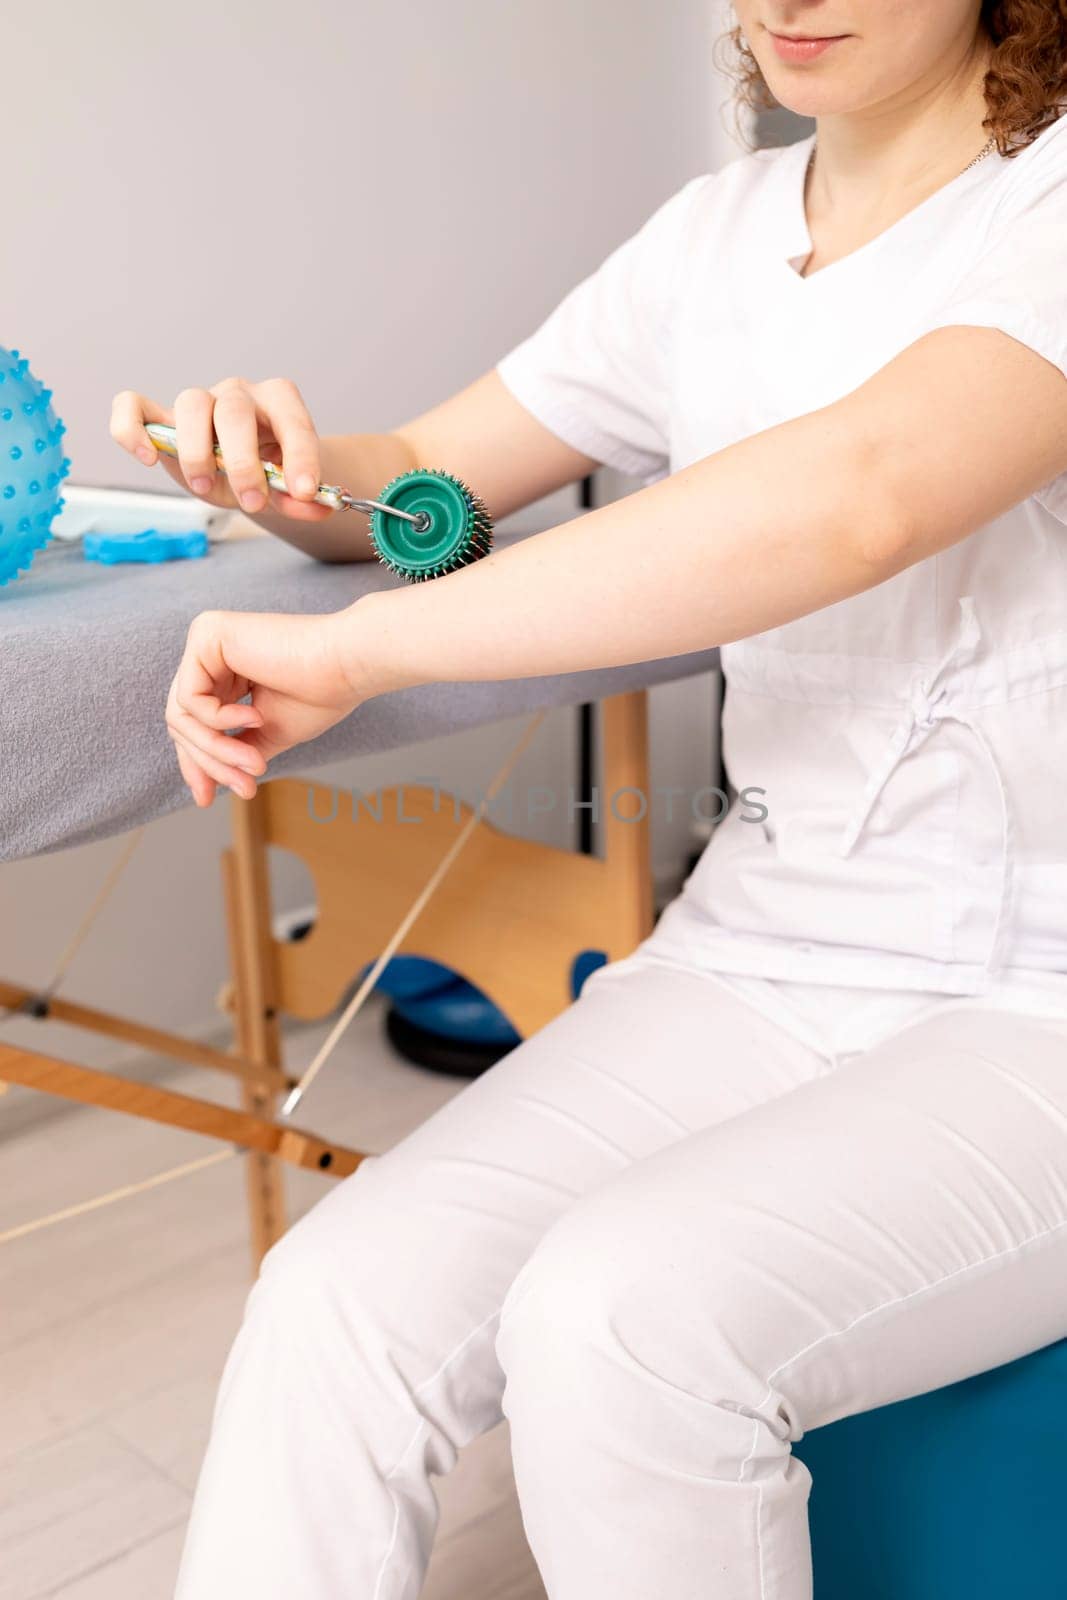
(32, 464)
(149, 545)
(958, 1494)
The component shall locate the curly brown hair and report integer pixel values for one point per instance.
(1025, 86)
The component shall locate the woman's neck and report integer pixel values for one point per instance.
(872, 166)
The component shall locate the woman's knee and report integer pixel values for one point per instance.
(364, 1302)
(311, 1284)
(558, 1304)
(612, 1329)
(347, 1287)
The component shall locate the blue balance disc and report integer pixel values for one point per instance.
(32, 464)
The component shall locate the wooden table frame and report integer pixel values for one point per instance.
(510, 916)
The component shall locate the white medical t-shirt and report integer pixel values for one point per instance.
(911, 740)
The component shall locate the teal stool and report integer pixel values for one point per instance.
(960, 1494)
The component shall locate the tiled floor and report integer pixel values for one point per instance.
(114, 1326)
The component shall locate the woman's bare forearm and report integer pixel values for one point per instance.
(772, 528)
(765, 531)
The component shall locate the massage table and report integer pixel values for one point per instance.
(88, 654)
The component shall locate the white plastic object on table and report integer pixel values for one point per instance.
(91, 510)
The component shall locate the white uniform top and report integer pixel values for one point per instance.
(911, 740)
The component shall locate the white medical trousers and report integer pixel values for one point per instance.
(664, 1237)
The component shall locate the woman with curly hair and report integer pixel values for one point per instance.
(804, 1152)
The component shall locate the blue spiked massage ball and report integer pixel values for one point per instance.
(32, 464)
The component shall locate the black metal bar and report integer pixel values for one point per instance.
(586, 728)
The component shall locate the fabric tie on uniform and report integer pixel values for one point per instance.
(929, 705)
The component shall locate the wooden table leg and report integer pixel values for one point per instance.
(247, 891)
(626, 803)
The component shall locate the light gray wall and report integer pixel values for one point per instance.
(373, 197)
(376, 198)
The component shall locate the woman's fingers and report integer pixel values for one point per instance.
(282, 405)
(201, 787)
(203, 713)
(250, 422)
(204, 685)
(129, 413)
(235, 717)
(240, 783)
(194, 426)
(203, 733)
(226, 751)
(237, 430)
(230, 761)
(292, 667)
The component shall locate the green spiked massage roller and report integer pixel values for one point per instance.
(423, 525)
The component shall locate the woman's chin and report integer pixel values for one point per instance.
(802, 91)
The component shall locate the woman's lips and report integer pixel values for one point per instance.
(803, 49)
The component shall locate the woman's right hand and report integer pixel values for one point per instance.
(253, 422)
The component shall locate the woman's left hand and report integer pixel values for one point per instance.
(292, 668)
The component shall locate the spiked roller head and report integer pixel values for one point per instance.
(32, 464)
(459, 529)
